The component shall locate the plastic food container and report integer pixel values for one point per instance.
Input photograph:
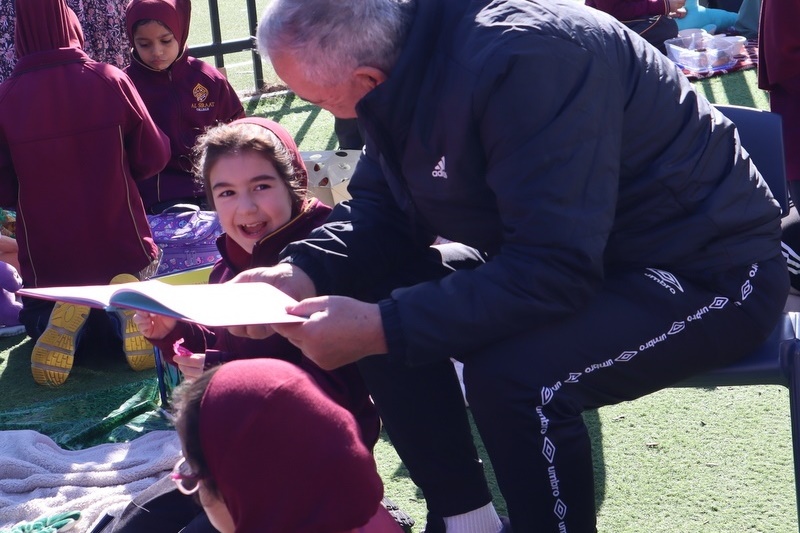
(690, 32)
(701, 53)
(738, 43)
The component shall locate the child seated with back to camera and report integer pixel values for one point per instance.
(183, 94)
(289, 450)
(74, 139)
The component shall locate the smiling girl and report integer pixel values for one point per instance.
(256, 180)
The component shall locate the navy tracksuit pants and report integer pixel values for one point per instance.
(645, 330)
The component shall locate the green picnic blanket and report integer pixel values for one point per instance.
(102, 403)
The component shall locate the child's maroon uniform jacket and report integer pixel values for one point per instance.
(184, 100)
(74, 137)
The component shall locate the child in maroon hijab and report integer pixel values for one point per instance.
(290, 460)
(74, 139)
(184, 95)
(256, 181)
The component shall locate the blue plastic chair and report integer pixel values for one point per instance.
(776, 361)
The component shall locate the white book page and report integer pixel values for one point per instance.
(224, 304)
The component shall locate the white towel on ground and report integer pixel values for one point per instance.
(37, 478)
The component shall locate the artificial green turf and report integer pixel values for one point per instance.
(737, 88)
(311, 127)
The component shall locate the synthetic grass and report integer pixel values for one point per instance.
(737, 88)
(311, 127)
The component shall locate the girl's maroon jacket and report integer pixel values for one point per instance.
(184, 100)
(74, 138)
(778, 43)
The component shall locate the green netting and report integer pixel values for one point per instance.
(102, 402)
(79, 421)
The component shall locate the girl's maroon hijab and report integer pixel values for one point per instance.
(175, 14)
(43, 25)
(285, 457)
(300, 171)
(270, 248)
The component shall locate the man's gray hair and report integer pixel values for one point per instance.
(330, 38)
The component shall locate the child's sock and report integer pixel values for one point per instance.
(482, 520)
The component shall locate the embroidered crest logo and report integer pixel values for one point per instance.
(200, 93)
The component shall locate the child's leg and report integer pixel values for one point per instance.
(34, 315)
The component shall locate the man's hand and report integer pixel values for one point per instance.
(339, 330)
(285, 277)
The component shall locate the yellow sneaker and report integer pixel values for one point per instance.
(138, 350)
(54, 352)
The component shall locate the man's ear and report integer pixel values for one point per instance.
(369, 77)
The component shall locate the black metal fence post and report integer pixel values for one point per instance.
(219, 48)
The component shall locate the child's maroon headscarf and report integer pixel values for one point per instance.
(175, 14)
(300, 171)
(284, 456)
(43, 25)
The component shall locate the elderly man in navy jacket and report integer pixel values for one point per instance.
(627, 241)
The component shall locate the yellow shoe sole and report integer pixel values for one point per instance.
(138, 350)
(54, 352)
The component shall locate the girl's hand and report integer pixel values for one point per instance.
(153, 326)
(676, 9)
(191, 366)
(678, 13)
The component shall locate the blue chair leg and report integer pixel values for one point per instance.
(162, 386)
(793, 370)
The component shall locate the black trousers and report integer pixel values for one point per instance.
(98, 341)
(348, 133)
(645, 330)
(790, 226)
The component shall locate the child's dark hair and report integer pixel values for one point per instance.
(186, 400)
(238, 137)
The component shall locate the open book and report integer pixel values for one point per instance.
(223, 304)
